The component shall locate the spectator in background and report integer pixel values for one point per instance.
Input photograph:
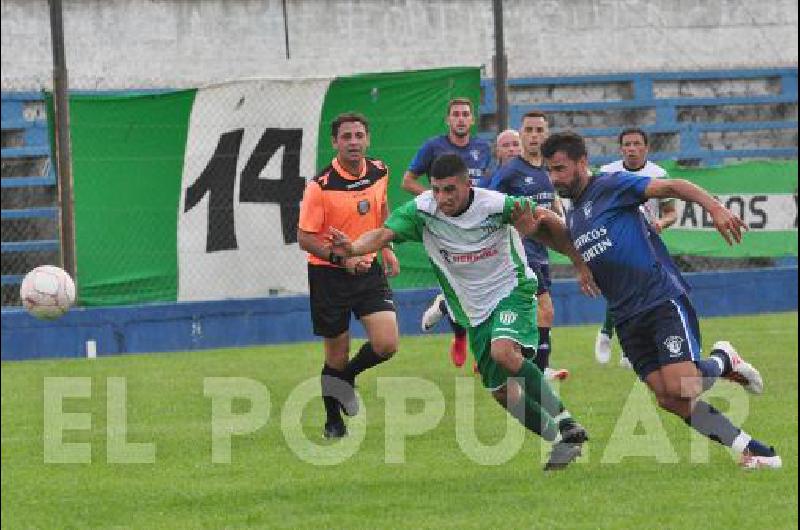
(659, 213)
(476, 154)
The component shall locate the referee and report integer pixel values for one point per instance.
(349, 194)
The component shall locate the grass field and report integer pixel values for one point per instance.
(267, 485)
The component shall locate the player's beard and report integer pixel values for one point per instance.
(570, 191)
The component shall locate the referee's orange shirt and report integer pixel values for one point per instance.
(353, 204)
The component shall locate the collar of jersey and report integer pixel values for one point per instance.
(346, 174)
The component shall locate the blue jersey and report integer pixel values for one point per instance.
(612, 236)
(477, 155)
(521, 179)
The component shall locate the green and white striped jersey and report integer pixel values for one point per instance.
(477, 256)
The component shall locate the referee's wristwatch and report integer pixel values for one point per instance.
(336, 259)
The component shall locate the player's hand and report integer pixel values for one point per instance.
(391, 266)
(339, 242)
(586, 281)
(727, 224)
(357, 264)
(524, 220)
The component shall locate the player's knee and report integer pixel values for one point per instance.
(500, 395)
(681, 388)
(504, 357)
(546, 314)
(665, 401)
(385, 349)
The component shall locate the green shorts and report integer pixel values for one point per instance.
(514, 318)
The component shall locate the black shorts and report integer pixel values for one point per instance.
(542, 271)
(668, 333)
(335, 293)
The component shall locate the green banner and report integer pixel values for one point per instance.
(127, 157)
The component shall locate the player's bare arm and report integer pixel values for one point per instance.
(367, 243)
(548, 228)
(411, 183)
(726, 223)
(391, 265)
(314, 244)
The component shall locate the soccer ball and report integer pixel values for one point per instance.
(47, 292)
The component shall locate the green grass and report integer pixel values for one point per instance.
(267, 485)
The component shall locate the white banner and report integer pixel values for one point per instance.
(760, 212)
(251, 146)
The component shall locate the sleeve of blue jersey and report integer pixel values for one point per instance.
(421, 163)
(497, 179)
(629, 189)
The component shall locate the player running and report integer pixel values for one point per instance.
(656, 323)
(480, 263)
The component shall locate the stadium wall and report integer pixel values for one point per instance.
(203, 325)
(118, 44)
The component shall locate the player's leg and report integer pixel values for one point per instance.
(374, 306)
(537, 407)
(330, 315)
(544, 317)
(685, 375)
(381, 345)
(433, 314)
(336, 391)
(458, 347)
(602, 345)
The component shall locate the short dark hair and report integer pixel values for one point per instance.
(534, 114)
(568, 142)
(348, 117)
(448, 165)
(633, 130)
(459, 101)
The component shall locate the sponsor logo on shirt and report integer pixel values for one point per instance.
(599, 241)
(468, 257)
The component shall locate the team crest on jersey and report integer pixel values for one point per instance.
(363, 206)
(674, 345)
(476, 154)
(528, 180)
(507, 317)
(587, 209)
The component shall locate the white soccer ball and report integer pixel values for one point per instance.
(47, 292)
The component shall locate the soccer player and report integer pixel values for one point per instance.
(478, 259)
(526, 176)
(656, 323)
(350, 194)
(661, 214)
(476, 154)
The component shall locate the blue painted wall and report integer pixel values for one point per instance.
(203, 325)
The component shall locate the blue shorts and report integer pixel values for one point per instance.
(669, 333)
(542, 271)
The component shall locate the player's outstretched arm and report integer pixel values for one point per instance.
(727, 224)
(368, 242)
(411, 183)
(549, 229)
